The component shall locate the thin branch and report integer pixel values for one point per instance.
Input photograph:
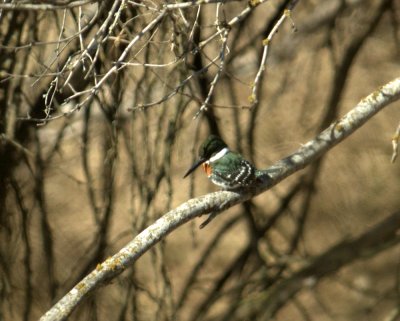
(395, 144)
(257, 81)
(217, 75)
(192, 4)
(45, 6)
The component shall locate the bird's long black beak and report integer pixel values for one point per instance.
(194, 166)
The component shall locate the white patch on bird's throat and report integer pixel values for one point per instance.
(218, 155)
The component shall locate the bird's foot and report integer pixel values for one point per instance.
(208, 220)
(213, 215)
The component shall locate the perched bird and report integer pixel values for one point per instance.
(224, 167)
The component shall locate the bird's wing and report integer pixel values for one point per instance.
(235, 169)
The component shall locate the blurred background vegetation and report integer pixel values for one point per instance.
(97, 129)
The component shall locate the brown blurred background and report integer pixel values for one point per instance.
(82, 174)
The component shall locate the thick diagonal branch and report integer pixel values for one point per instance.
(308, 153)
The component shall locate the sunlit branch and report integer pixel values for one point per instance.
(222, 200)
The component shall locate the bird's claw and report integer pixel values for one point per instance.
(213, 215)
(208, 220)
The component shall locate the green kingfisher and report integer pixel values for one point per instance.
(224, 167)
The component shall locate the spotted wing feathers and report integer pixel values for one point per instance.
(233, 172)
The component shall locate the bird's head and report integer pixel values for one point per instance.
(210, 147)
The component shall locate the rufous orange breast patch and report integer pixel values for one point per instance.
(207, 169)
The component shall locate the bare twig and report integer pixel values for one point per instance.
(217, 75)
(257, 80)
(45, 6)
(395, 143)
(191, 4)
